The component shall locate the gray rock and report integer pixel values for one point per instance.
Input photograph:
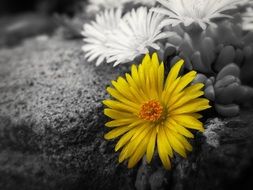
(221, 163)
(51, 119)
(221, 160)
(52, 127)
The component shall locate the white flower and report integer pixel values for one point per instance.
(145, 2)
(117, 40)
(96, 34)
(247, 19)
(138, 31)
(195, 11)
(96, 5)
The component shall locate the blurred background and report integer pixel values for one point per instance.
(10, 7)
(22, 19)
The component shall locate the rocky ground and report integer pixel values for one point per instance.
(52, 127)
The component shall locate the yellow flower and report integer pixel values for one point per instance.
(147, 112)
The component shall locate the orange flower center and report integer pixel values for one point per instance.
(151, 110)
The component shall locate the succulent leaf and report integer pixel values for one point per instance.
(239, 57)
(187, 61)
(230, 110)
(208, 52)
(226, 56)
(225, 81)
(209, 93)
(200, 78)
(246, 94)
(198, 63)
(247, 68)
(231, 69)
(228, 94)
(208, 82)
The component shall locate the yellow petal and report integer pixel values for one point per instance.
(163, 152)
(195, 105)
(146, 59)
(123, 88)
(142, 77)
(179, 128)
(122, 154)
(183, 99)
(120, 122)
(184, 81)
(121, 130)
(153, 84)
(186, 95)
(147, 88)
(120, 106)
(139, 152)
(126, 137)
(175, 143)
(139, 95)
(160, 79)
(130, 81)
(135, 75)
(183, 141)
(135, 142)
(128, 147)
(174, 99)
(114, 114)
(155, 59)
(173, 74)
(151, 145)
(196, 115)
(165, 140)
(121, 98)
(189, 122)
(166, 94)
(117, 132)
(194, 87)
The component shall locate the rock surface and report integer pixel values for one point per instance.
(51, 130)
(51, 122)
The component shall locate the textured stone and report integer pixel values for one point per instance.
(51, 121)
(221, 163)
